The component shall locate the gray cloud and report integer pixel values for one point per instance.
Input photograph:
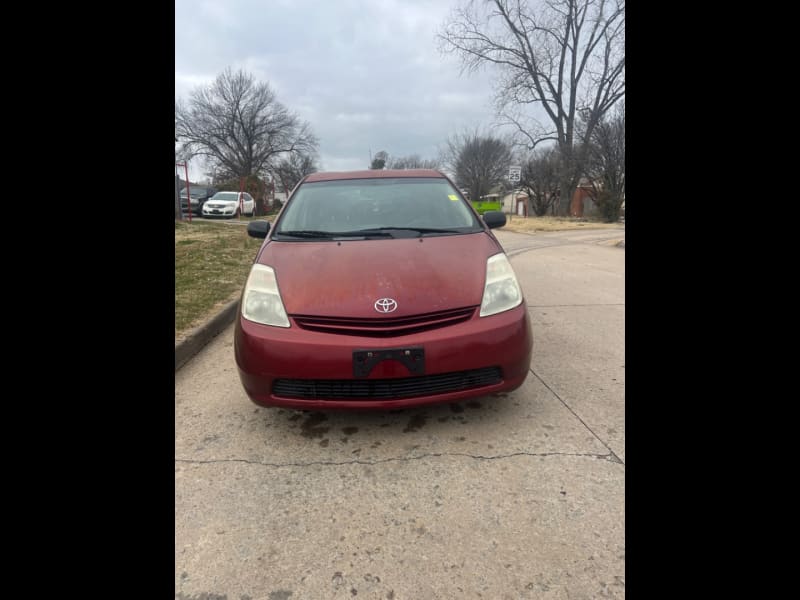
(366, 75)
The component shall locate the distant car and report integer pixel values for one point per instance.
(199, 196)
(380, 289)
(227, 204)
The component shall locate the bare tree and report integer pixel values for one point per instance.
(412, 161)
(239, 126)
(379, 161)
(291, 170)
(540, 179)
(478, 163)
(566, 57)
(605, 165)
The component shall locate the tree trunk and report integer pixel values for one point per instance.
(565, 192)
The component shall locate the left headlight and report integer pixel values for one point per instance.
(501, 291)
(262, 301)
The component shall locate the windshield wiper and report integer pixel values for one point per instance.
(306, 233)
(377, 231)
(419, 230)
(331, 234)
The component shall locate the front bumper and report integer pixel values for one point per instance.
(265, 354)
(218, 212)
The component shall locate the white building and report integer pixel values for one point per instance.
(516, 202)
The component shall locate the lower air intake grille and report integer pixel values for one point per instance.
(386, 389)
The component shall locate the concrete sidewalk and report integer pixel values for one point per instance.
(196, 339)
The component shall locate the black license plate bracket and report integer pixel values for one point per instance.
(365, 360)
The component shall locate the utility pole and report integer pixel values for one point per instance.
(178, 215)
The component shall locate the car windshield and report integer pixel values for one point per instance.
(376, 207)
(227, 196)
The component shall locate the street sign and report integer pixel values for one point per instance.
(514, 174)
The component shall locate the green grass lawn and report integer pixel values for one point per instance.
(212, 261)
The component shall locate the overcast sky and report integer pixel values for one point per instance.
(366, 75)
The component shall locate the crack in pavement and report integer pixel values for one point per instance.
(611, 457)
(545, 244)
(552, 391)
(517, 251)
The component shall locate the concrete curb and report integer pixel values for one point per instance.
(198, 337)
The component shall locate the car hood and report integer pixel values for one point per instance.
(344, 279)
(223, 202)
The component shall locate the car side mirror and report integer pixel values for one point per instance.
(258, 229)
(494, 218)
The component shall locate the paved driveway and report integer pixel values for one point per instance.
(519, 496)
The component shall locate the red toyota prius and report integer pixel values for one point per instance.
(380, 289)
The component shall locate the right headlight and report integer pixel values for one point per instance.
(262, 302)
(502, 291)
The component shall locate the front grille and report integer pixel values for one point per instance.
(386, 389)
(385, 327)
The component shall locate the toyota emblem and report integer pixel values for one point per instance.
(386, 305)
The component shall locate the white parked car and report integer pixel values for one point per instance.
(229, 204)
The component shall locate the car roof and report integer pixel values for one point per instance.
(372, 174)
